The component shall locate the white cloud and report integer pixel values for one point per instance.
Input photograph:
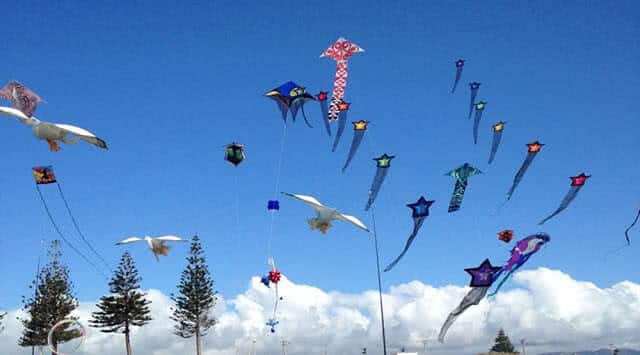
(551, 310)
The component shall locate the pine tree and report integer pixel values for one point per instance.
(52, 302)
(126, 306)
(2, 315)
(503, 344)
(196, 298)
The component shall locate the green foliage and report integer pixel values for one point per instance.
(127, 305)
(196, 296)
(52, 302)
(502, 343)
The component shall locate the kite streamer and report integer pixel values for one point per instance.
(532, 150)
(324, 110)
(474, 87)
(576, 184)
(626, 232)
(459, 67)
(343, 108)
(383, 163)
(420, 211)
(498, 128)
(359, 128)
(480, 106)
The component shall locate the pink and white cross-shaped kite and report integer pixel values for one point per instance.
(340, 51)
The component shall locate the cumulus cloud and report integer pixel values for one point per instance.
(549, 309)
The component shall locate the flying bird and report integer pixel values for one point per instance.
(54, 132)
(156, 244)
(325, 214)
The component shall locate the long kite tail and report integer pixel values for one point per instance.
(457, 195)
(304, 115)
(472, 298)
(564, 204)
(458, 76)
(474, 94)
(626, 232)
(497, 137)
(324, 110)
(339, 85)
(355, 143)
(520, 174)
(413, 235)
(381, 173)
(342, 122)
(476, 124)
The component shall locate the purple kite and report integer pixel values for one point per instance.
(576, 184)
(21, 97)
(459, 67)
(420, 211)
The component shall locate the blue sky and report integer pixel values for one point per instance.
(167, 85)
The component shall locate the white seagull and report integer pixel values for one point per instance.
(53, 132)
(156, 244)
(325, 214)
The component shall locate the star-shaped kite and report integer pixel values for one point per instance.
(482, 276)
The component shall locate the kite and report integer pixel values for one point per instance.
(290, 97)
(325, 215)
(532, 151)
(482, 278)
(576, 184)
(359, 128)
(273, 205)
(155, 244)
(505, 235)
(461, 174)
(21, 97)
(234, 153)
(626, 232)
(44, 175)
(383, 163)
(343, 108)
(340, 51)
(523, 250)
(474, 86)
(459, 68)
(273, 277)
(480, 106)
(324, 109)
(53, 132)
(497, 137)
(420, 211)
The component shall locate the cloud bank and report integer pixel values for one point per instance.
(549, 309)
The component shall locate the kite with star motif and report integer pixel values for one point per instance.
(340, 51)
(523, 250)
(359, 127)
(383, 163)
(324, 110)
(474, 87)
(420, 211)
(21, 97)
(532, 150)
(505, 235)
(576, 184)
(290, 97)
(480, 106)
(462, 175)
(497, 137)
(482, 278)
(343, 108)
(459, 67)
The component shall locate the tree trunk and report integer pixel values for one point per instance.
(127, 340)
(197, 340)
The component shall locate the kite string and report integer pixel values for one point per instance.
(57, 229)
(277, 186)
(77, 228)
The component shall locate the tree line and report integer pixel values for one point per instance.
(52, 301)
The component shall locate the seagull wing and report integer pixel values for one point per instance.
(82, 134)
(351, 219)
(130, 240)
(171, 238)
(309, 200)
(15, 113)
